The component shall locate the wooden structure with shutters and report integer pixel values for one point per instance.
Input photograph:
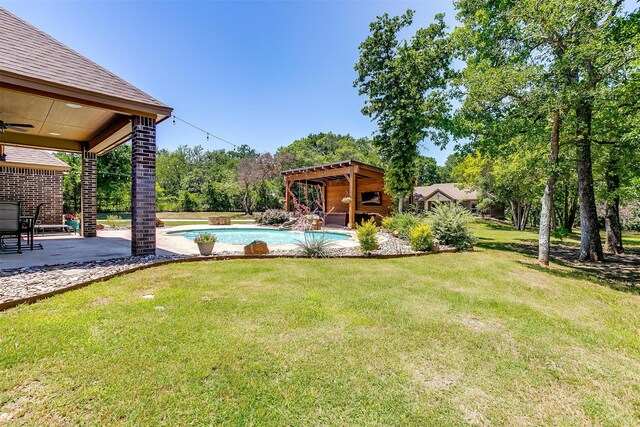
(362, 183)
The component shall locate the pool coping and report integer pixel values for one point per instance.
(34, 298)
(349, 242)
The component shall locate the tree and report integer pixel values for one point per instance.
(573, 47)
(248, 176)
(615, 131)
(329, 147)
(512, 178)
(71, 182)
(404, 83)
(427, 171)
(114, 180)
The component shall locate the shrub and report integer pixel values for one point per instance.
(560, 233)
(272, 217)
(366, 233)
(112, 220)
(205, 238)
(315, 245)
(421, 238)
(450, 225)
(402, 223)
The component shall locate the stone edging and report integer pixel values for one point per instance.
(29, 300)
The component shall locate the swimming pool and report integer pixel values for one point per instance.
(244, 236)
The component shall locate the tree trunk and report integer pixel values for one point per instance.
(590, 243)
(613, 229)
(570, 217)
(246, 201)
(514, 214)
(544, 237)
(400, 202)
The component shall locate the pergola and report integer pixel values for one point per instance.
(75, 105)
(348, 178)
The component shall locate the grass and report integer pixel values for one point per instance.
(184, 215)
(483, 337)
(181, 218)
(506, 234)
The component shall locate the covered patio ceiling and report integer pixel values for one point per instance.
(53, 98)
(71, 102)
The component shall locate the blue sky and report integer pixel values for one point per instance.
(258, 73)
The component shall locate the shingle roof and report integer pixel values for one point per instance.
(35, 158)
(341, 163)
(29, 52)
(450, 189)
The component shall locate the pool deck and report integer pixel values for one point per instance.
(64, 248)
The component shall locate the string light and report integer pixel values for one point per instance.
(204, 131)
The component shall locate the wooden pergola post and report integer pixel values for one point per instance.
(353, 195)
(287, 196)
(324, 197)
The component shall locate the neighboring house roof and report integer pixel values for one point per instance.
(449, 189)
(32, 159)
(29, 52)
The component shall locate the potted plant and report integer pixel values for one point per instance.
(71, 220)
(205, 242)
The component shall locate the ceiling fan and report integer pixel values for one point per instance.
(20, 127)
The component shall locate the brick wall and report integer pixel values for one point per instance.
(143, 186)
(32, 187)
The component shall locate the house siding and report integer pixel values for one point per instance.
(32, 187)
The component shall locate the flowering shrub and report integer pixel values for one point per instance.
(272, 217)
(421, 238)
(205, 238)
(366, 233)
(70, 217)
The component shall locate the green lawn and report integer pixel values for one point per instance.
(172, 223)
(483, 337)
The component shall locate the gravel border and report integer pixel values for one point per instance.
(28, 284)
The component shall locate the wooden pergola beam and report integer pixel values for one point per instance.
(319, 174)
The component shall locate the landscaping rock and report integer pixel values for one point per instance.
(159, 223)
(219, 220)
(257, 247)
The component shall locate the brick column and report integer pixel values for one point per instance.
(89, 193)
(143, 186)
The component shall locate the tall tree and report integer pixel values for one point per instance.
(427, 171)
(404, 83)
(571, 46)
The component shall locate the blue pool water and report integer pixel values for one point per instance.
(244, 236)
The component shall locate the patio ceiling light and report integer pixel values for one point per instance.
(70, 105)
(54, 134)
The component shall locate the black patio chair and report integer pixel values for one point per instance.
(10, 225)
(29, 225)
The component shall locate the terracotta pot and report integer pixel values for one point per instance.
(206, 247)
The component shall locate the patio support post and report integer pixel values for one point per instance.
(89, 193)
(287, 196)
(143, 186)
(353, 195)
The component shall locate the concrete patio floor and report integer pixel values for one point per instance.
(65, 248)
